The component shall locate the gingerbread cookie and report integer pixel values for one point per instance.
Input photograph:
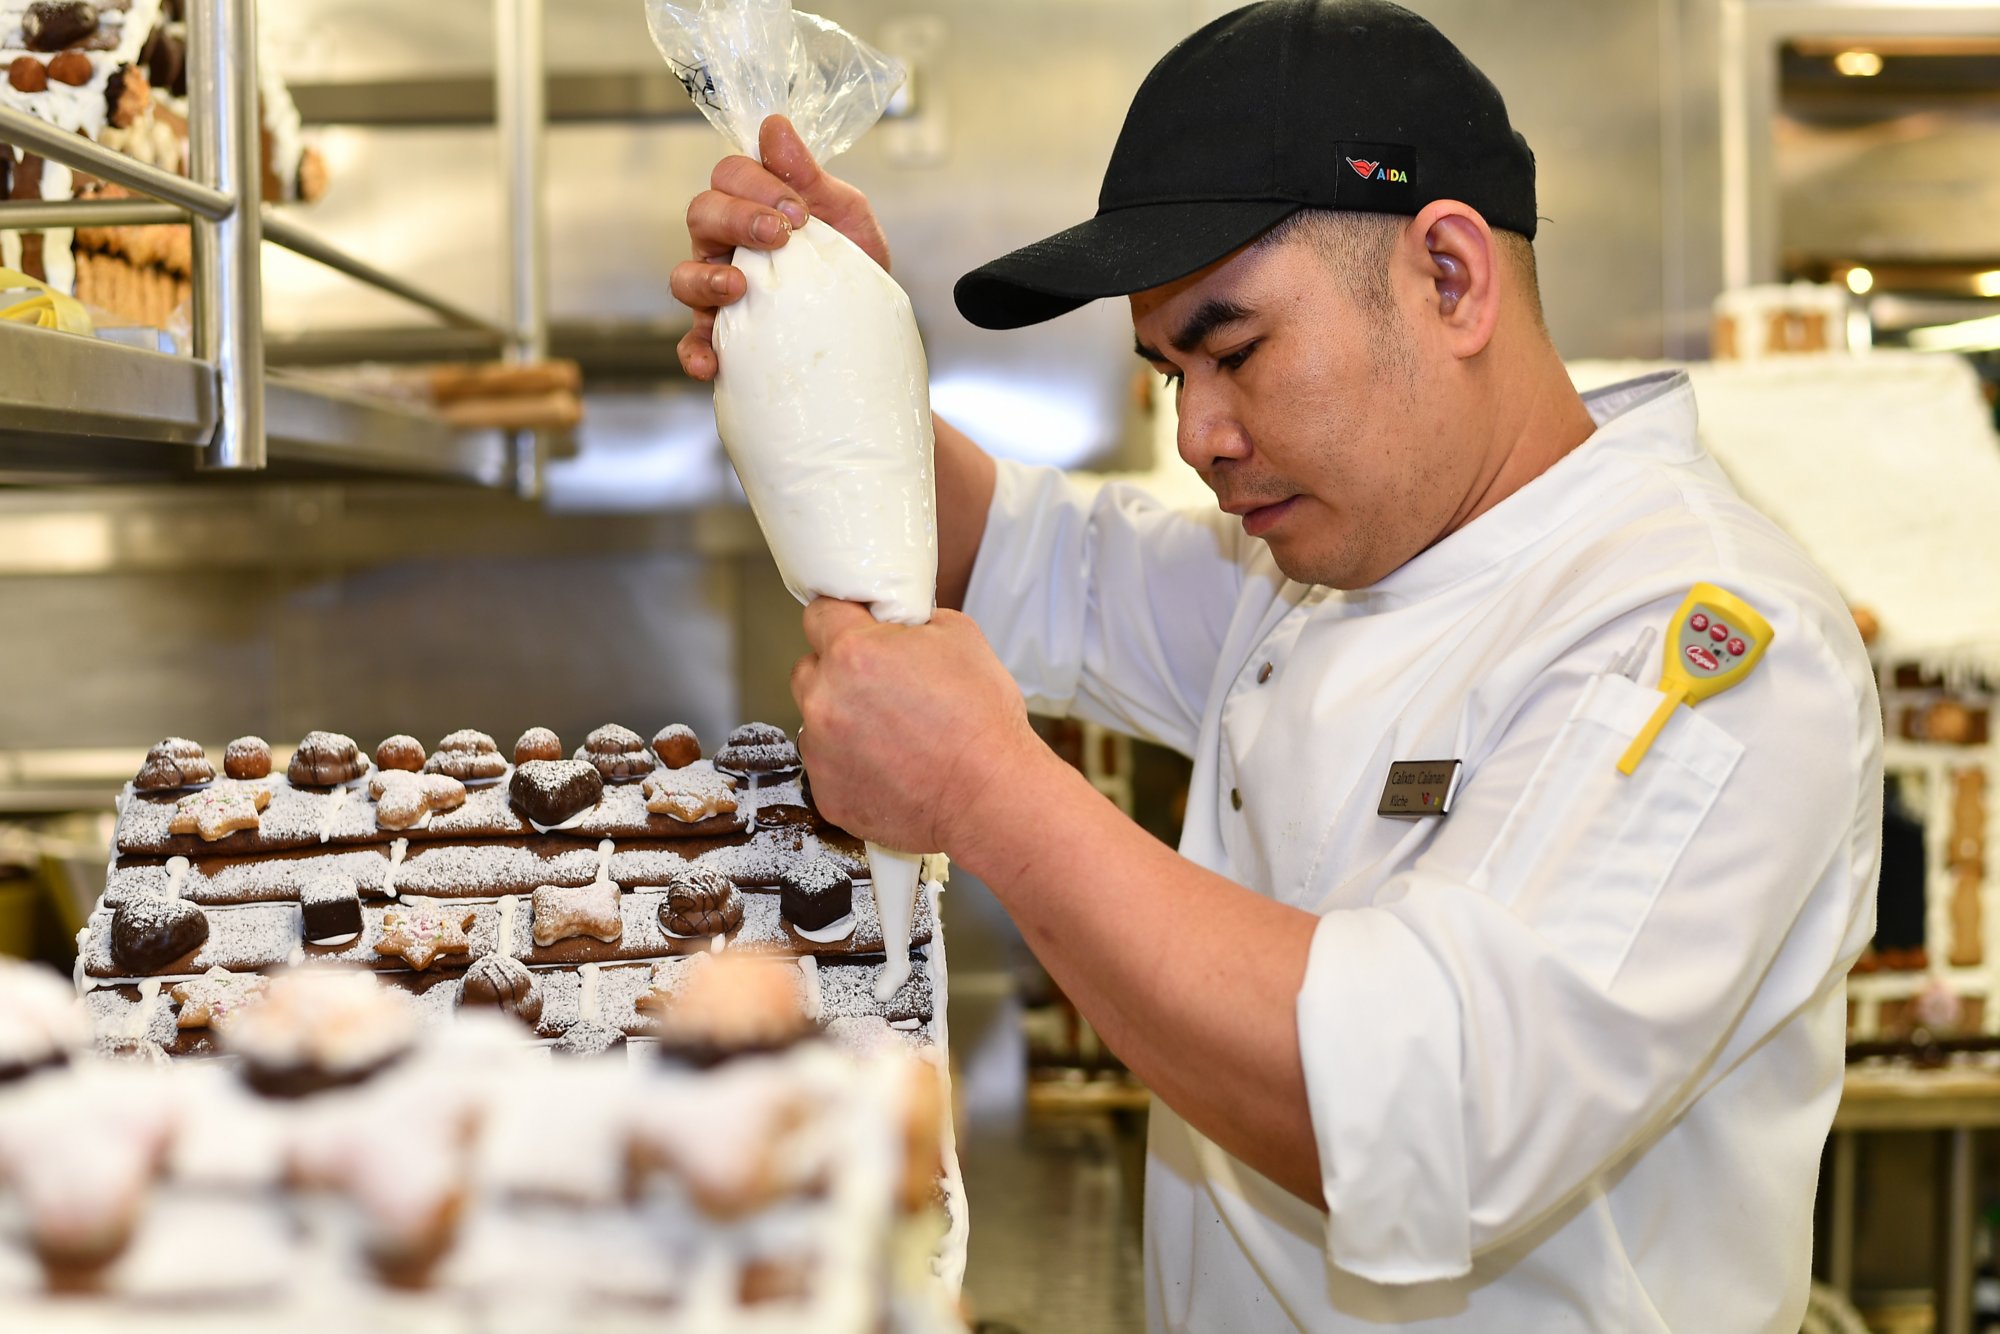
(588, 1037)
(550, 792)
(219, 811)
(403, 798)
(401, 752)
(247, 757)
(25, 74)
(320, 1028)
(591, 910)
(676, 745)
(72, 68)
(758, 751)
(40, 1024)
(128, 95)
(701, 902)
(728, 1005)
(326, 759)
(537, 743)
(215, 998)
(690, 794)
(422, 931)
(175, 762)
(468, 756)
(618, 752)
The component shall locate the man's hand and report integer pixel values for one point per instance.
(906, 726)
(759, 205)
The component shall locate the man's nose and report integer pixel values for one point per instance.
(1208, 432)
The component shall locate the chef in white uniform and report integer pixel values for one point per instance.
(1559, 1052)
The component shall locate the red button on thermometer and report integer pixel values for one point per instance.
(1698, 664)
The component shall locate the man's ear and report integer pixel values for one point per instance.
(1463, 270)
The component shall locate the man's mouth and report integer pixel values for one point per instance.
(1259, 519)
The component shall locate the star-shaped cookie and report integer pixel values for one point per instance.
(419, 931)
(690, 794)
(592, 910)
(213, 999)
(216, 812)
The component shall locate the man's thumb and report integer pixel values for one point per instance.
(787, 156)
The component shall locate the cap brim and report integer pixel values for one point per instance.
(1126, 250)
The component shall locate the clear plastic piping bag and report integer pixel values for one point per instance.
(823, 397)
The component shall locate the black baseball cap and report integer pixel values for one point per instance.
(1278, 106)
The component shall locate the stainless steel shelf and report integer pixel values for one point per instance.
(573, 97)
(317, 427)
(75, 409)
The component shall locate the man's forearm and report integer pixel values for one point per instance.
(1193, 980)
(964, 493)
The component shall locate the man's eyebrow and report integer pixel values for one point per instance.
(1212, 314)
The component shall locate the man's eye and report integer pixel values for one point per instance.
(1236, 359)
(1173, 380)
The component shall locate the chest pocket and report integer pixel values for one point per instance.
(1584, 853)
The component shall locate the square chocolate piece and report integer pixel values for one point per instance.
(331, 909)
(815, 894)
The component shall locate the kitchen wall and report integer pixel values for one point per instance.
(368, 607)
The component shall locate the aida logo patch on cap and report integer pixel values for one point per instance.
(1381, 165)
(1378, 171)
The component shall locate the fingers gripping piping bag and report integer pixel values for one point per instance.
(822, 398)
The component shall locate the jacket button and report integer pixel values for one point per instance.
(1263, 673)
(1235, 799)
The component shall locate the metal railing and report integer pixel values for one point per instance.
(226, 170)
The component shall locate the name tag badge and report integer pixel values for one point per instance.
(1417, 788)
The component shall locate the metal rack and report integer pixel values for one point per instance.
(73, 407)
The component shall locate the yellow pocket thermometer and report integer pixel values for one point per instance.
(1715, 642)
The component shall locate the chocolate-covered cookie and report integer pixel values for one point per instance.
(619, 753)
(701, 901)
(814, 894)
(504, 982)
(330, 910)
(537, 743)
(175, 762)
(165, 59)
(551, 791)
(677, 745)
(326, 759)
(758, 751)
(51, 25)
(401, 752)
(247, 757)
(468, 756)
(149, 933)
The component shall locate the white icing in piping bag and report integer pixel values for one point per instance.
(895, 877)
(822, 391)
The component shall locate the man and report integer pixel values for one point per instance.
(1560, 1055)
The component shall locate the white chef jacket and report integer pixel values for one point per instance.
(1573, 1049)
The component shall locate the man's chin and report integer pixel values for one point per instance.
(1316, 568)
